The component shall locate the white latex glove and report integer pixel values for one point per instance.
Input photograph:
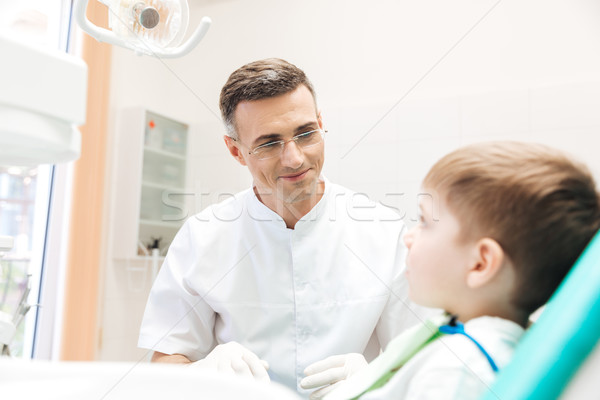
(331, 372)
(233, 358)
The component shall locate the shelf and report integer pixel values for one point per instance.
(162, 224)
(6, 243)
(153, 185)
(163, 153)
(138, 258)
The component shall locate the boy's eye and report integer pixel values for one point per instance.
(422, 220)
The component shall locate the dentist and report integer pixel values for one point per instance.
(291, 273)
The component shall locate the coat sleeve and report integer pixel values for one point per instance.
(177, 319)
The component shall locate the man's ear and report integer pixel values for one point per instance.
(487, 262)
(320, 119)
(233, 148)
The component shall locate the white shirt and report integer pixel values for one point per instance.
(452, 367)
(234, 272)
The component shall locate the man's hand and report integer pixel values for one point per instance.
(233, 358)
(331, 372)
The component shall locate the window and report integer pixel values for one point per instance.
(25, 192)
(24, 199)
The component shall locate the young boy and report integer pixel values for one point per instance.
(504, 223)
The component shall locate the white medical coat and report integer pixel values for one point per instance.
(334, 284)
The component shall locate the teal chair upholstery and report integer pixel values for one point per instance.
(554, 348)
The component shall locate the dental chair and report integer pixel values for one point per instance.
(559, 356)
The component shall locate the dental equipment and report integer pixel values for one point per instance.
(7, 328)
(9, 323)
(151, 27)
(42, 101)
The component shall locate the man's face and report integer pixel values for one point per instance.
(437, 260)
(293, 176)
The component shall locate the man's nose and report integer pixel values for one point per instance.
(292, 155)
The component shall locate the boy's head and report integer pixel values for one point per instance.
(509, 221)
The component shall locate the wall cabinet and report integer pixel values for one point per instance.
(149, 198)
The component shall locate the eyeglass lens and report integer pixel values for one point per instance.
(274, 149)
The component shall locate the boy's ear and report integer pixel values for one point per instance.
(234, 150)
(488, 261)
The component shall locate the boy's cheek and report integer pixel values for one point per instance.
(415, 295)
(412, 280)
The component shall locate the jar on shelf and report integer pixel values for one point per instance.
(153, 135)
(173, 140)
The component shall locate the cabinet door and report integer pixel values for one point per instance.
(151, 180)
(163, 180)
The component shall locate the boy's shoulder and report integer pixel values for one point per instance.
(452, 366)
(497, 336)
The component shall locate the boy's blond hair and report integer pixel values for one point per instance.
(538, 204)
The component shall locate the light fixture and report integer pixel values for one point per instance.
(151, 27)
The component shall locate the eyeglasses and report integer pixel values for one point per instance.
(275, 148)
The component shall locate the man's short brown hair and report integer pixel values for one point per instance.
(259, 80)
(538, 204)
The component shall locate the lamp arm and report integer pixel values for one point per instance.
(190, 44)
(100, 34)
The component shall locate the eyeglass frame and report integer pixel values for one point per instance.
(282, 143)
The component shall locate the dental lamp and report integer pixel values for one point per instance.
(151, 27)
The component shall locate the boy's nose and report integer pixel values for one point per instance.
(292, 155)
(409, 238)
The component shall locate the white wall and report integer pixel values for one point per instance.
(400, 84)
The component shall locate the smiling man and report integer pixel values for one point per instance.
(286, 175)
(294, 272)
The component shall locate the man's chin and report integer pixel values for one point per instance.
(295, 196)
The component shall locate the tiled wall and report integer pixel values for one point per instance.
(386, 150)
(515, 76)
